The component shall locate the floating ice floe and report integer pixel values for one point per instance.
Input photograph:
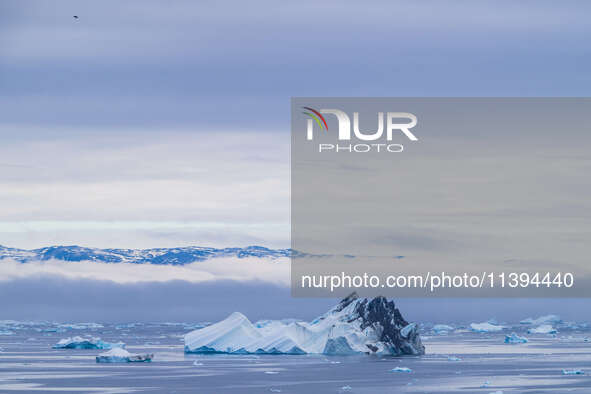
(542, 320)
(81, 326)
(86, 343)
(486, 327)
(514, 338)
(401, 369)
(356, 325)
(442, 328)
(453, 358)
(51, 329)
(496, 392)
(126, 326)
(569, 325)
(485, 384)
(572, 372)
(119, 355)
(543, 329)
(6, 332)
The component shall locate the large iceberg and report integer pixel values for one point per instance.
(86, 343)
(119, 355)
(356, 325)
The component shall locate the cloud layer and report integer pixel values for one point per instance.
(271, 271)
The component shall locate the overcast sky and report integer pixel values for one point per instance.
(152, 123)
(154, 114)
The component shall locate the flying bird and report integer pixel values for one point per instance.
(75, 17)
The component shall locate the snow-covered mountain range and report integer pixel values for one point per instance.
(162, 256)
(355, 325)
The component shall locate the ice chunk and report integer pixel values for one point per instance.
(401, 369)
(453, 358)
(442, 328)
(542, 320)
(86, 343)
(572, 372)
(6, 332)
(406, 330)
(338, 346)
(356, 325)
(485, 384)
(514, 338)
(81, 326)
(346, 388)
(119, 355)
(485, 327)
(543, 329)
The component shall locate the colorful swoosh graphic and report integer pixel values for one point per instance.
(317, 116)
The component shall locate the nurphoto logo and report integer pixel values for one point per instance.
(394, 126)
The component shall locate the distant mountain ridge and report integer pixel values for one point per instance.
(161, 256)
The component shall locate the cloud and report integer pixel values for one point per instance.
(125, 188)
(273, 271)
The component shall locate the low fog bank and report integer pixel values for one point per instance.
(65, 300)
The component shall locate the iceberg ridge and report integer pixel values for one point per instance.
(356, 325)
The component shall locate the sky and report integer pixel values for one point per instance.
(152, 111)
(156, 124)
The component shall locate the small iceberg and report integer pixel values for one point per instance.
(401, 369)
(543, 329)
(86, 343)
(572, 372)
(514, 338)
(542, 320)
(442, 328)
(485, 327)
(119, 355)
